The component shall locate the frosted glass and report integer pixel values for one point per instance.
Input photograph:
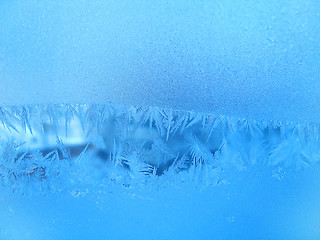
(255, 59)
(159, 119)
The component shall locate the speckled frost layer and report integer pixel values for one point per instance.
(249, 59)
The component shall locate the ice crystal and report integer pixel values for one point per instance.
(48, 142)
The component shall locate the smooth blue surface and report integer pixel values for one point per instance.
(253, 205)
(255, 59)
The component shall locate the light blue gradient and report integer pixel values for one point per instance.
(255, 59)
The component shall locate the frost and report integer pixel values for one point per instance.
(50, 143)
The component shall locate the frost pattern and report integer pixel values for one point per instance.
(72, 143)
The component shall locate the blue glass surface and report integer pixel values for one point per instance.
(159, 119)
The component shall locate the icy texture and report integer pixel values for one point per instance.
(218, 137)
(253, 59)
(121, 172)
(46, 144)
(125, 172)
